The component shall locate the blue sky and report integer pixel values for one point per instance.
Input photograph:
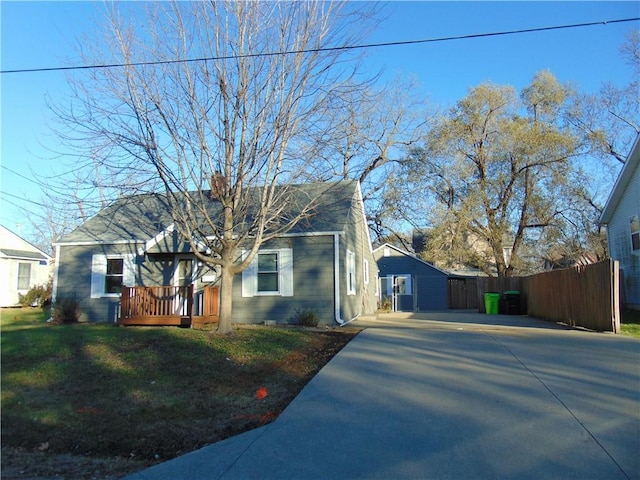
(37, 34)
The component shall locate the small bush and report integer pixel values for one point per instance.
(37, 296)
(385, 307)
(66, 310)
(307, 318)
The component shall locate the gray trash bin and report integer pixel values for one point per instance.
(511, 301)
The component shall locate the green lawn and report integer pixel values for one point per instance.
(147, 393)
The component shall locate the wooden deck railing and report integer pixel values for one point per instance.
(168, 306)
(207, 306)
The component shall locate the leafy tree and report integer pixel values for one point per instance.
(498, 170)
(229, 128)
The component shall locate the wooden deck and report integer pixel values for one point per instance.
(169, 306)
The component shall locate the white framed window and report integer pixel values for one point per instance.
(365, 271)
(110, 273)
(634, 226)
(403, 285)
(24, 276)
(351, 273)
(270, 273)
(114, 275)
(398, 284)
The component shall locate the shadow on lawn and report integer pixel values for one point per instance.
(147, 393)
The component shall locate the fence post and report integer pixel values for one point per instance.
(615, 295)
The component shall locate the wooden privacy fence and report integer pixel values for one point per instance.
(501, 285)
(585, 296)
(463, 292)
(161, 305)
(468, 292)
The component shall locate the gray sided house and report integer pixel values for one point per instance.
(621, 215)
(408, 283)
(324, 264)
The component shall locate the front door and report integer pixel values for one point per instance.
(183, 277)
(397, 289)
(402, 293)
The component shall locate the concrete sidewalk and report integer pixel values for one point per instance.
(446, 396)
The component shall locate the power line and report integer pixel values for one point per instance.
(21, 175)
(39, 204)
(326, 49)
(25, 212)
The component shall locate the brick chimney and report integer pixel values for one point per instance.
(218, 185)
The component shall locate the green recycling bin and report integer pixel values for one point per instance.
(491, 303)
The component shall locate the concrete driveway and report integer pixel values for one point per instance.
(450, 395)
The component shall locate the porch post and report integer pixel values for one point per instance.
(190, 300)
(125, 303)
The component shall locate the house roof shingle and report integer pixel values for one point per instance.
(140, 218)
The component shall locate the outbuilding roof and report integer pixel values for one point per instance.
(381, 248)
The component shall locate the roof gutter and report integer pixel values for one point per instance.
(336, 282)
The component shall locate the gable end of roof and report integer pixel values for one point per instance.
(410, 255)
(624, 178)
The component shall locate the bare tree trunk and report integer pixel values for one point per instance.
(225, 325)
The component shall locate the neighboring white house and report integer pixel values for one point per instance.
(621, 215)
(22, 266)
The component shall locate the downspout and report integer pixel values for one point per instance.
(336, 282)
(54, 288)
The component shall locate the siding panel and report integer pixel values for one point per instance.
(74, 279)
(620, 239)
(312, 280)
